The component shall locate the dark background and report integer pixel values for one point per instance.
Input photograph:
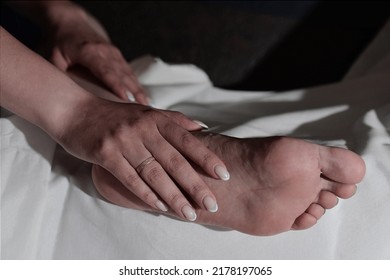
(247, 45)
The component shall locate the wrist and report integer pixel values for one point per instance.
(66, 112)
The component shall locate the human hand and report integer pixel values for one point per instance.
(147, 150)
(78, 39)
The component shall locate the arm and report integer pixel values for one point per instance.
(116, 136)
(79, 39)
(34, 89)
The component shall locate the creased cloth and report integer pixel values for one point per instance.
(50, 209)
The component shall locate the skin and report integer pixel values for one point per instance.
(77, 38)
(115, 135)
(87, 128)
(277, 183)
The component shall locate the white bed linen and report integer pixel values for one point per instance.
(50, 209)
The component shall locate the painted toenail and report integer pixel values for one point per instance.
(222, 173)
(189, 213)
(210, 204)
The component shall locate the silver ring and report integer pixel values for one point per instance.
(143, 164)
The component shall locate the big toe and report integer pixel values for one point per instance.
(341, 165)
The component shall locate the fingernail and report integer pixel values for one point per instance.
(189, 213)
(205, 126)
(130, 96)
(222, 173)
(210, 204)
(161, 206)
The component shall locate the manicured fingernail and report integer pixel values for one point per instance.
(130, 96)
(222, 173)
(161, 206)
(189, 213)
(201, 124)
(210, 204)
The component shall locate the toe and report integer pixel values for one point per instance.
(316, 210)
(304, 221)
(327, 199)
(341, 165)
(343, 191)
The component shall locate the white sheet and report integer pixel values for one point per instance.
(50, 210)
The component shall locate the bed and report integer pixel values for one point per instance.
(51, 210)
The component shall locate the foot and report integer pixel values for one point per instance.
(277, 183)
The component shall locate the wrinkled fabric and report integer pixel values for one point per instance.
(50, 209)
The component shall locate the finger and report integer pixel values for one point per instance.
(158, 180)
(184, 121)
(184, 175)
(118, 75)
(107, 64)
(58, 60)
(134, 88)
(154, 171)
(121, 84)
(192, 148)
(111, 78)
(155, 176)
(130, 179)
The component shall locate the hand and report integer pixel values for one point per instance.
(147, 150)
(78, 39)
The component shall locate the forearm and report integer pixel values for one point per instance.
(34, 89)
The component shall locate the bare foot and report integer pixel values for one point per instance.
(276, 183)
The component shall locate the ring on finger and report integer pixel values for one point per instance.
(143, 164)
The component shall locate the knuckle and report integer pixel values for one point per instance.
(168, 128)
(105, 151)
(152, 114)
(208, 158)
(175, 163)
(176, 200)
(95, 46)
(147, 196)
(106, 71)
(148, 120)
(176, 115)
(196, 189)
(187, 140)
(132, 180)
